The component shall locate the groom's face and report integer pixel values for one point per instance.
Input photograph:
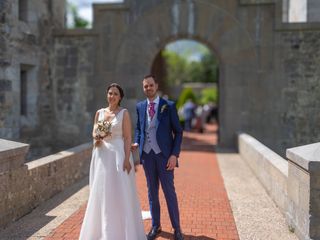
(150, 87)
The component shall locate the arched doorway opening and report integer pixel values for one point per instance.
(188, 70)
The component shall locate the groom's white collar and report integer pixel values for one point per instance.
(156, 100)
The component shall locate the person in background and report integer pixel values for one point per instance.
(188, 114)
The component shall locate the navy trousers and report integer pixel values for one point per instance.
(155, 170)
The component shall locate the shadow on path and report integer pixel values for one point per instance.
(203, 142)
(167, 235)
(31, 223)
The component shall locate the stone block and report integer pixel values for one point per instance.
(304, 168)
(72, 51)
(315, 228)
(12, 154)
(315, 183)
(70, 72)
(315, 203)
(313, 11)
(304, 197)
(5, 85)
(60, 61)
(293, 190)
(269, 167)
(304, 155)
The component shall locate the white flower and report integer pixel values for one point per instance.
(163, 108)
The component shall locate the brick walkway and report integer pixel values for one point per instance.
(204, 206)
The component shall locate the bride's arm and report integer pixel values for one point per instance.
(126, 131)
(95, 124)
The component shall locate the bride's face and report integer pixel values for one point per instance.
(113, 96)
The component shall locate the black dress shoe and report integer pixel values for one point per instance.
(154, 232)
(178, 235)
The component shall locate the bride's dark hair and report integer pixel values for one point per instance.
(119, 88)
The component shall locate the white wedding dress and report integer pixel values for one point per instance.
(113, 211)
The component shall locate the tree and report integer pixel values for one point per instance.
(176, 68)
(210, 68)
(209, 95)
(186, 94)
(180, 70)
(77, 21)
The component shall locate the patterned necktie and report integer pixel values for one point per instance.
(151, 110)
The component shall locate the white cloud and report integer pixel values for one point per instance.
(298, 11)
(86, 13)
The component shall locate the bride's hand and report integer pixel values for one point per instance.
(127, 166)
(97, 143)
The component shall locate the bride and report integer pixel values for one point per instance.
(113, 211)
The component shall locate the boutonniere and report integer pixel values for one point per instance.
(163, 108)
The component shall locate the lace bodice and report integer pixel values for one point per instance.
(116, 127)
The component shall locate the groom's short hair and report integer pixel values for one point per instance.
(150, 76)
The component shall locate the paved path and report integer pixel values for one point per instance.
(204, 205)
(257, 217)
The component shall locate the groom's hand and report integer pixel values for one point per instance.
(172, 161)
(134, 146)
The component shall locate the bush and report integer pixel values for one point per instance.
(209, 95)
(186, 94)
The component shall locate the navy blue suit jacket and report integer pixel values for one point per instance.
(169, 131)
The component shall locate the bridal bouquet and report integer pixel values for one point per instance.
(103, 130)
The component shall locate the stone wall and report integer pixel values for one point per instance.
(26, 185)
(73, 73)
(285, 94)
(313, 7)
(26, 42)
(259, 55)
(269, 168)
(300, 91)
(303, 190)
(294, 185)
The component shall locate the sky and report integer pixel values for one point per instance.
(298, 11)
(189, 49)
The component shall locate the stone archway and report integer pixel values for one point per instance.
(204, 22)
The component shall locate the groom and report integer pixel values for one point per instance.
(158, 134)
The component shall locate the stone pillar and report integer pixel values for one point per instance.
(12, 155)
(303, 213)
(12, 170)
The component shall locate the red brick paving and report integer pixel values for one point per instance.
(204, 206)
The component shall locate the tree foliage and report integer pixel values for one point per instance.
(209, 95)
(186, 94)
(176, 66)
(180, 70)
(77, 21)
